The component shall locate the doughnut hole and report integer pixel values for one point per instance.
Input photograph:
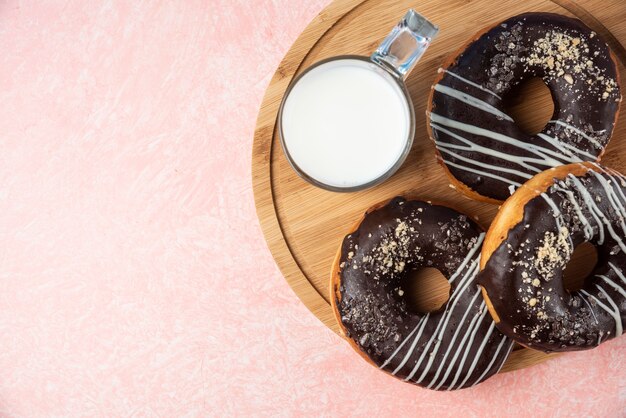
(530, 105)
(426, 290)
(580, 266)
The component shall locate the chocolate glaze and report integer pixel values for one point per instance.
(452, 348)
(524, 276)
(577, 67)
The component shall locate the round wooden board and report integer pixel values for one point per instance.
(304, 225)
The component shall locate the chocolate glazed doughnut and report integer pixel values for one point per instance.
(529, 245)
(455, 347)
(481, 148)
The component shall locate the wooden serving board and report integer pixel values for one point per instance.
(304, 225)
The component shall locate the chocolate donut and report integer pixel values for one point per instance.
(481, 147)
(454, 347)
(531, 241)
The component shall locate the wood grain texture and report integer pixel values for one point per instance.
(304, 225)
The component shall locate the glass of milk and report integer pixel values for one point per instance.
(347, 123)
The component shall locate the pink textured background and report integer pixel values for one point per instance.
(134, 278)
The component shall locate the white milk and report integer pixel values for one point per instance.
(346, 123)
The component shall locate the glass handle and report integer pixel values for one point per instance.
(406, 44)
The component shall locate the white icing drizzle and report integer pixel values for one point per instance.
(471, 83)
(482, 173)
(472, 101)
(618, 318)
(433, 354)
(612, 284)
(471, 146)
(566, 148)
(487, 166)
(397, 350)
(617, 182)
(578, 131)
(556, 213)
(479, 353)
(469, 256)
(462, 286)
(476, 130)
(609, 289)
(469, 335)
(555, 209)
(587, 228)
(616, 199)
(566, 153)
(471, 329)
(465, 281)
(450, 345)
(445, 318)
(412, 348)
(613, 198)
(557, 217)
(469, 346)
(547, 157)
(618, 272)
(589, 202)
(465, 275)
(493, 359)
(597, 213)
(615, 315)
(590, 308)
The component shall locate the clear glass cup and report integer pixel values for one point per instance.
(392, 61)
